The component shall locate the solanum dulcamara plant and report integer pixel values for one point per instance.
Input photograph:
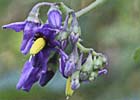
(56, 44)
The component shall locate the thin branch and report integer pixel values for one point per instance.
(90, 7)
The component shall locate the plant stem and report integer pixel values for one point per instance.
(90, 7)
(86, 50)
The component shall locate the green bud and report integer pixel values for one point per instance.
(75, 75)
(75, 83)
(84, 76)
(92, 76)
(87, 68)
(76, 29)
(88, 65)
(99, 62)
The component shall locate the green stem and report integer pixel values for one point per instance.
(34, 13)
(90, 7)
(86, 50)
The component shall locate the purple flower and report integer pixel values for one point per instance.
(32, 30)
(36, 68)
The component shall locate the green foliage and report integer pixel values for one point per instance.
(137, 55)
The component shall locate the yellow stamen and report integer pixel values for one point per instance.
(68, 90)
(37, 46)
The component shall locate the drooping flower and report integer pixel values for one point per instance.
(39, 39)
(45, 39)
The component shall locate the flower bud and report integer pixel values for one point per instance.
(74, 37)
(103, 71)
(62, 36)
(74, 24)
(99, 62)
(69, 68)
(84, 76)
(87, 68)
(54, 17)
(75, 84)
(71, 63)
(92, 76)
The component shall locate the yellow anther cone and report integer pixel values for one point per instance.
(68, 90)
(37, 46)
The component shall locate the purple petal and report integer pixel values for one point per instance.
(71, 64)
(74, 37)
(47, 31)
(29, 76)
(63, 44)
(17, 26)
(103, 71)
(62, 61)
(28, 36)
(69, 68)
(38, 60)
(55, 18)
(75, 84)
(25, 74)
(46, 53)
(34, 77)
(26, 45)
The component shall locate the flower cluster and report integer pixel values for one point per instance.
(58, 39)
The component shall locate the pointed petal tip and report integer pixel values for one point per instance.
(17, 26)
(25, 89)
(104, 71)
(24, 52)
(18, 86)
(3, 27)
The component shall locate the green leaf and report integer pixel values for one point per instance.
(137, 55)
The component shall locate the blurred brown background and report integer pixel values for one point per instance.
(113, 28)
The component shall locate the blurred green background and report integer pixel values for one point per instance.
(113, 29)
